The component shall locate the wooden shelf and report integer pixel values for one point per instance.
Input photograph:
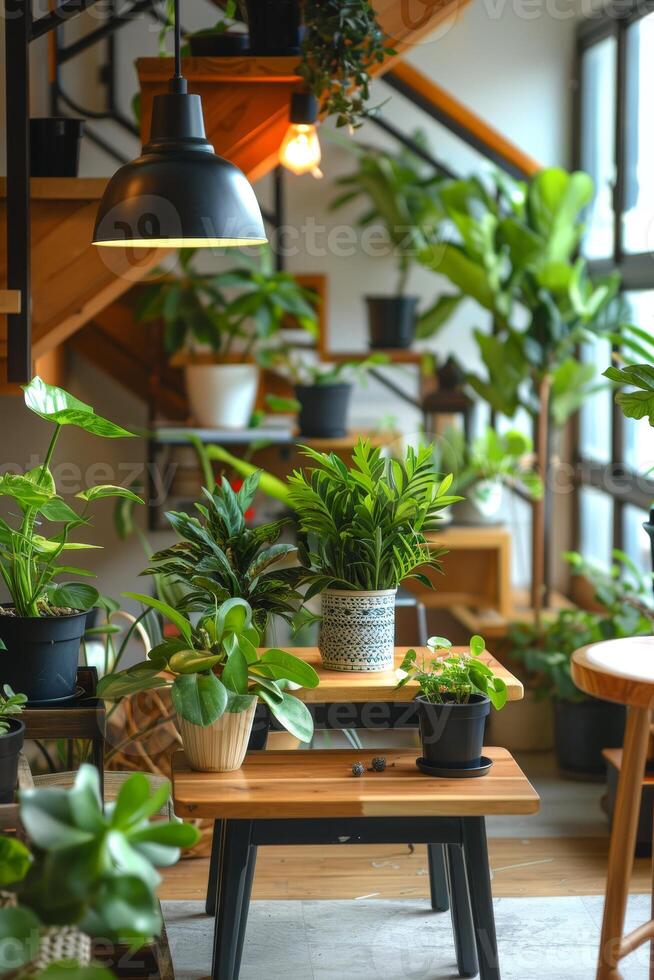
(492, 625)
(395, 355)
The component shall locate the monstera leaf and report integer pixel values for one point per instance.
(59, 407)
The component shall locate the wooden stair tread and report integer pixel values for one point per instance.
(307, 783)
(62, 188)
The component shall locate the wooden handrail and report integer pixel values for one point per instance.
(461, 120)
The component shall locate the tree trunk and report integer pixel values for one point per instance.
(542, 509)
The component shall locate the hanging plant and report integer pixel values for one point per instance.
(342, 42)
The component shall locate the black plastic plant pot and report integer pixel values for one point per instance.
(453, 734)
(10, 745)
(274, 26)
(323, 409)
(229, 44)
(582, 730)
(54, 146)
(392, 320)
(41, 656)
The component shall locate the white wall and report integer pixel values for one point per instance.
(509, 60)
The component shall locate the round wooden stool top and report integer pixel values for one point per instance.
(617, 670)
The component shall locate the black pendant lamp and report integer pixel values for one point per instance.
(178, 193)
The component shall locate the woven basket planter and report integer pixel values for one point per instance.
(358, 630)
(220, 747)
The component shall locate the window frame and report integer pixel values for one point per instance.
(636, 270)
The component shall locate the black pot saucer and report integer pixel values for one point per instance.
(460, 772)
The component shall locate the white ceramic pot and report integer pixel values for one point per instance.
(482, 504)
(222, 395)
(358, 630)
(220, 747)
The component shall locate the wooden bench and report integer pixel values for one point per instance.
(308, 797)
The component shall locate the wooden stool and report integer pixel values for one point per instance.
(306, 797)
(622, 671)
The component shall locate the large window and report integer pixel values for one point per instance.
(616, 146)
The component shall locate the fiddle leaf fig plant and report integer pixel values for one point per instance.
(29, 560)
(90, 867)
(215, 667)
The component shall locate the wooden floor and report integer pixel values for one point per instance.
(542, 866)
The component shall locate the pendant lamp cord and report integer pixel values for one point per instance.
(178, 82)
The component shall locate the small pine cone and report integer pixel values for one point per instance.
(379, 764)
(358, 769)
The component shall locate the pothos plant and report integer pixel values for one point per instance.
(29, 554)
(91, 866)
(363, 527)
(342, 43)
(215, 667)
(453, 677)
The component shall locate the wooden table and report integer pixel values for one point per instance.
(293, 797)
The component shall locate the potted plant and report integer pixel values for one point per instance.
(513, 248)
(398, 191)
(322, 392)
(584, 726)
(216, 337)
(218, 557)
(42, 626)
(12, 735)
(456, 692)
(361, 534)
(91, 873)
(216, 676)
(221, 40)
(483, 468)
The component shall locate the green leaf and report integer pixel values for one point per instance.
(58, 511)
(19, 938)
(199, 698)
(176, 618)
(24, 491)
(15, 860)
(437, 316)
(235, 671)
(76, 595)
(58, 406)
(107, 490)
(286, 666)
(140, 677)
(477, 645)
(640, 403)
(192, 661)
(169, 834)
(68, 971)
(290, 712)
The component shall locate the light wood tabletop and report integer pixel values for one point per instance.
(359, 686)
(320, 784)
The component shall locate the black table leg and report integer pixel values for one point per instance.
(258, 740)
(245, 908)
(475, 852)
(97, 755)
(234, 860)
(462, 927)
(214, 861)
(440, 901)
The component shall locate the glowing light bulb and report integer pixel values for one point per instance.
(300, 151)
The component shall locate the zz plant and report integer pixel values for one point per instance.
(90, 867)
(218, 557)
(363, 527)
(30, 554)
(215, 667)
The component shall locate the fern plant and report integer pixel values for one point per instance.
(218, 557)
(363, 527)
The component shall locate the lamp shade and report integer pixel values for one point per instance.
(178, 193)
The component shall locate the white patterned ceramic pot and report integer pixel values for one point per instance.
(358, 630)
(219, 747)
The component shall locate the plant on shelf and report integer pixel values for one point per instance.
(399, 192)
(12, 734)
(218, 325)
(91, 872)
(361, 533)
(341, 44)
(217, 557)
(622, 598)
(483, 467)
(216, 676)
(456, 692)
(42, 625)
(512, 247)
(322, 391)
